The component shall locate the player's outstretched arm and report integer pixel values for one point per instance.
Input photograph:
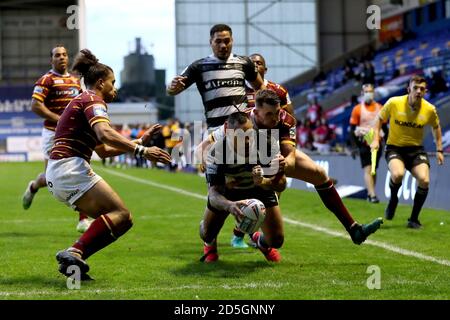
(375, 145)
(106, 151)
(177, 85)
(437, 134)
(276, 183)
(113, 139)
(147, 136)
(218, 201)
(258, 83)
(201, 153)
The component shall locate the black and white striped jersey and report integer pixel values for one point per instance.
(221, 85)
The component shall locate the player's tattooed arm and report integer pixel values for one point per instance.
(288, 152)
(437, 134)
(218, 201)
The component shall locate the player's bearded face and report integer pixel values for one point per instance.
(221, 44)
(109, 91)
(60, 60)
(267, 117)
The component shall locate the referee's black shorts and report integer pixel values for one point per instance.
(366, 157)
(410, 156)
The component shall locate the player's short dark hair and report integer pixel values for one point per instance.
(87, 65)
(237, 119)
(258, 55)
(219, 28)
(418, 79)
(268, 97)
(56, 46)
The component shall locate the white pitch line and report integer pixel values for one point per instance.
(314, 227)
(374, 243)
(154, 184)
(251, 285)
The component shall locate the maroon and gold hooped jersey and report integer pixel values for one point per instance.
(281, 92)
(55, 91)
(75, 136)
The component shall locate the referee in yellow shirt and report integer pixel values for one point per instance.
(404, 150)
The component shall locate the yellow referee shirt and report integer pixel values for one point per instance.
(406, 126)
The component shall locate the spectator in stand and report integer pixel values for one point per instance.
(322, 136)
(348, 74)
(304, 135)
(368, 73)
(171, 136)
(314, 113)
(438, 84)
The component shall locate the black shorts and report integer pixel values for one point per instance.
(268, 197)
(410, 156)
(366, 156)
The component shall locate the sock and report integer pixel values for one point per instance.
(33, 189)
(262, 241)
(98, 236)
(333, 202)
(83, 216)
(213, 243)
(238, 233)
(394, 190)
(419, 200)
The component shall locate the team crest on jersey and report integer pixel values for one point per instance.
(99, 110)
(292, 133)
(38, 89)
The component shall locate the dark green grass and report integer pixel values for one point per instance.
(158, 258)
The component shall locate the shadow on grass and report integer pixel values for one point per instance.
(393, 226)
(221, 268)
(22, 234)
(34, 281)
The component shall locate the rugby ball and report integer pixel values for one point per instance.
(254, 214)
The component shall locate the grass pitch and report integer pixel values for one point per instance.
(159, 257)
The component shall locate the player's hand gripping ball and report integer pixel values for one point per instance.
(254, 214)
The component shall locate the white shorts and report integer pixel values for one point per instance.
(48, 137)
(70, 178)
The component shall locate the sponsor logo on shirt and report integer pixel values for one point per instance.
(70, 93)
(220, 83)
(408, 124)
(292, 133)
